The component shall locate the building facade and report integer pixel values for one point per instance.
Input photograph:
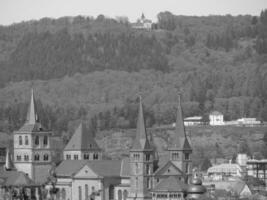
(32, 150)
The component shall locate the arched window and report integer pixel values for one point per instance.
(45, 140)
(86, 192)
(119, 195)
(111, 192)
(95, 156)
(20, 140)
(36, 157)
(63, 194)
(80, 192)
(46, 157)
(125, 194)
(26, 140)
(36, 140)
(26, 157)
(58, 195)
(86, 156)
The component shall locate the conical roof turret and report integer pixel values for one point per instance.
(180, 141)
(141, 141)
(32, 117)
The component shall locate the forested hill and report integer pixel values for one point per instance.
(93, 69)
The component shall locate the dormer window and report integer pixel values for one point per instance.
(147, 157)
(76, 157)
(175, 156)
(68, 157)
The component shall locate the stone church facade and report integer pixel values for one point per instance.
(83, 174)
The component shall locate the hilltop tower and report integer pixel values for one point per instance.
(141, 161)
(32, 150)
(180, 149)
(82, 146)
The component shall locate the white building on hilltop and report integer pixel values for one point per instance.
(216, 118)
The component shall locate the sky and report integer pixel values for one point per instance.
(13, 11)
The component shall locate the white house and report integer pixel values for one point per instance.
(218, 172)
(193, 121)
(216, 118)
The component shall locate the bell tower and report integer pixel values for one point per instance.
(32, 150)
(180, 149)
(141, 161)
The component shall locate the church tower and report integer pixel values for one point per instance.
(180, 149)
(141, 161)
(82, 146)
(32, 150)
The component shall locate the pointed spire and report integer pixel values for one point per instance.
(32, 115)
(141, 141)
(180, 139)
(8, 164)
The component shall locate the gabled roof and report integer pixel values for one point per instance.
(82, 139)
(103, 168)
(141, 141)
(15, 178)
(180, 141)
(171, 184)
(164, 167)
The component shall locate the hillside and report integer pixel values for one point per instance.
(93, 69)
(208, 142)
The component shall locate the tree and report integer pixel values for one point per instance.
(205, 164)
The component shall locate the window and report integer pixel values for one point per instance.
(147, 169)
(68, 157)
(36, 157)
(147, 157)
(20, 140)
(136, 157)
(18, 158)
(186, 156)
(80, 192)
(175, 156)
(45, 140)
(26, 157)
(119, 195)
(36, 140)
(125, 194)
(86, 156)
(76, 157)
(46, 157)
(26, 140)
(111, 192)
(147, 183)
(63, 194)
(95, 156)
(157, 180)
(86, 192)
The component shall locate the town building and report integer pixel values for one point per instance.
(257, 169)
(193, 121)
(216, 118)
(83, 174)
(219, 172)
(32, 147)
(142, 23)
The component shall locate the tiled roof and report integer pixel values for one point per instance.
(104, 168)
(82, 139)
(171, 184)
(141, 141)
(15, 178)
